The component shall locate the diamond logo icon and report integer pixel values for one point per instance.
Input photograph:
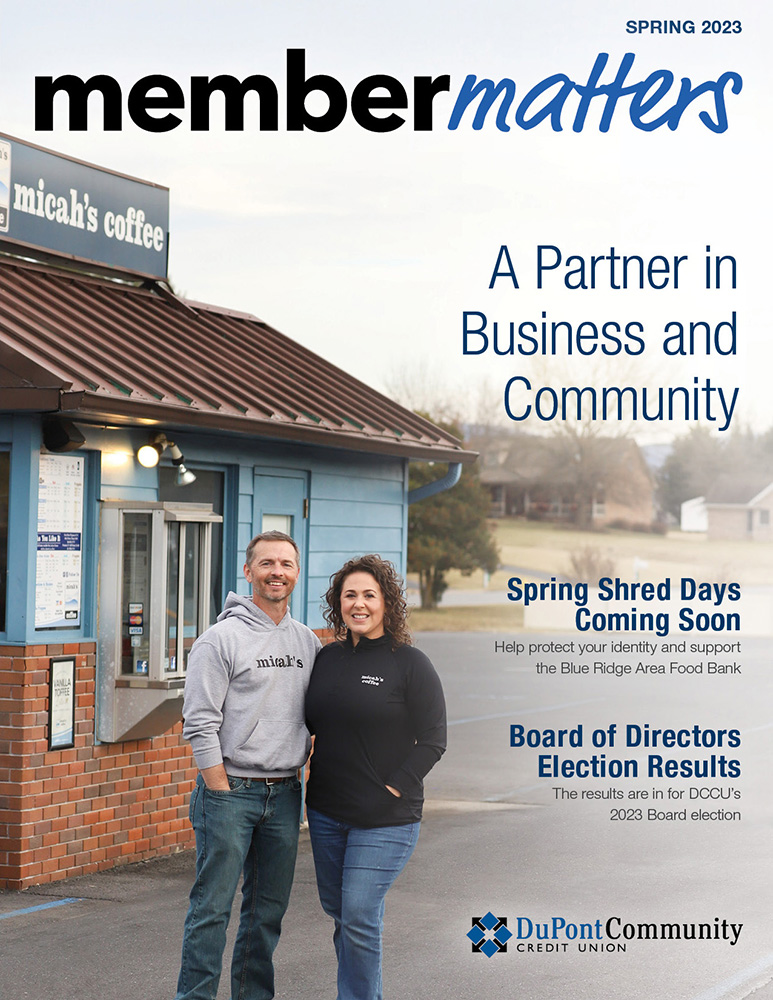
(489, 934)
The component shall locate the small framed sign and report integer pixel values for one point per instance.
(61, 701)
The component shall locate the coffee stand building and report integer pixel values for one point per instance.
(144, 439)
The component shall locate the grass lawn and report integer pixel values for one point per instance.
(502, 618)
(547, 549)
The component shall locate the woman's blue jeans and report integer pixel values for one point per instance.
(355, 867)
(251, 829)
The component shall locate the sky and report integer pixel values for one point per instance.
(368, 248)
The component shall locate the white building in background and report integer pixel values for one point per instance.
(694, 516)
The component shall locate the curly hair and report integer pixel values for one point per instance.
(395, 607)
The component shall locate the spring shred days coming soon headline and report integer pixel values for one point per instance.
(613, 589)
(656, 99)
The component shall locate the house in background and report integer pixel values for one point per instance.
(593, 481)
(740, 507)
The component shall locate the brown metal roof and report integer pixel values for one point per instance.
(126, 352)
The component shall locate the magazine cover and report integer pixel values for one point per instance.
(544, 227)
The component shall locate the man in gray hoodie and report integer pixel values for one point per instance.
(244, 716)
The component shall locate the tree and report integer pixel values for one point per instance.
(448, 531)
(692, 465)
(699, 457)
(587, 464)
(584, 458)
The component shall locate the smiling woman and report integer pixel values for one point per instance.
(361, 585)
(376, 708)
(362, 607)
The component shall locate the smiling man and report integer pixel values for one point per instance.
(243, 714)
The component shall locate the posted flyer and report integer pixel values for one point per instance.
(552, 223)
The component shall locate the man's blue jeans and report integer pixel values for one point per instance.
(355, 867)
(253, 828)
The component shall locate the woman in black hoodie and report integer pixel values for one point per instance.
(375, 706)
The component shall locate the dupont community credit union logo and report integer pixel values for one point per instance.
(489, 934)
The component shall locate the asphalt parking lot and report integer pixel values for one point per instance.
(495, 838)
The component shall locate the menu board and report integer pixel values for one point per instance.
(59, 569)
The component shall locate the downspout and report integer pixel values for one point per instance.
(451, 478)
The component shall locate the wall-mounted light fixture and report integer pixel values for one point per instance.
(149, 455)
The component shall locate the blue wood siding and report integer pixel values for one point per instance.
(335, 513)
(337, 539)
(355, 507)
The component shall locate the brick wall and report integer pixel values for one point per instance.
(70, 812)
